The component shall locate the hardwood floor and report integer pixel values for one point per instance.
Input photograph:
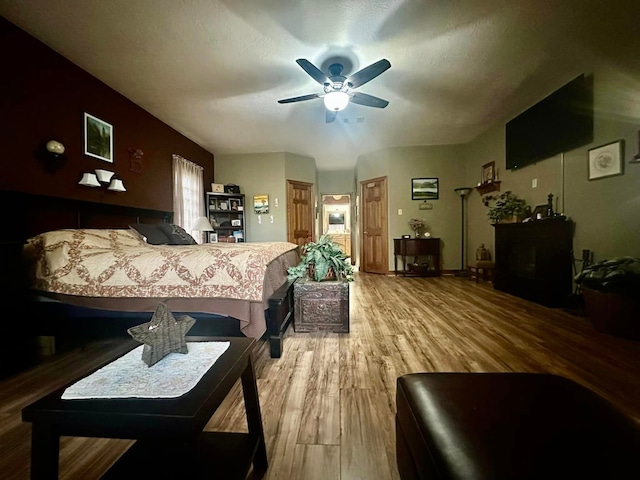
(328, 404)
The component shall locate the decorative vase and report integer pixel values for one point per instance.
(510, 219)
(482, 253)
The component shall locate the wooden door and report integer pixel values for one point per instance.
(300, 208)
(374, 253)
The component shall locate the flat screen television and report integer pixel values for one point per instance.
(558, 123)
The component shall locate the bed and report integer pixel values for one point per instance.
(100, 275)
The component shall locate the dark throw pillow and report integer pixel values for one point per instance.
(177, 235)
(152, 234)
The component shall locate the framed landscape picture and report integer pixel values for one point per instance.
(98, 138)
(424, 188)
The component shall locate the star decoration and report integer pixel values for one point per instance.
(162, 335)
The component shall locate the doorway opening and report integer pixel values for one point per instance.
(336, 220)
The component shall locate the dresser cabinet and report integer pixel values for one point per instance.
(534, 260)
(419, 256)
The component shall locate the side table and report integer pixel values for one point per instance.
(321, 305)
(170, 442)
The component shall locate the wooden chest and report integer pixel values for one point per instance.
(321, 306)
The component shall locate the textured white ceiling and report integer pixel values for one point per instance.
(215, 69)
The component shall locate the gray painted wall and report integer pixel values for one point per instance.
(258, 174)
(606, 211)
(265, 174)
(400, 165)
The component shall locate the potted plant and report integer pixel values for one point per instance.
(508, 208)
(322, 260)
(417, 225)
(610, 291)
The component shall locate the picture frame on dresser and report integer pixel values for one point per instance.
(488, 173)
(98, 138)
(539, 212)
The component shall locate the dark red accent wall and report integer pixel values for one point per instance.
(44, 96)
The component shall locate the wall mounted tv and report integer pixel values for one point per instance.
(558, 123)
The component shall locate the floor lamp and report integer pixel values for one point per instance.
(463, 192)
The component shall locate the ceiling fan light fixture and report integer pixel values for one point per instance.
(336, 101)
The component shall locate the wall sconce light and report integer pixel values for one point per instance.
(102, 178)
(52, 155)
(116, 185)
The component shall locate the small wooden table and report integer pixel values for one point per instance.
(416, 248)
(170, 442)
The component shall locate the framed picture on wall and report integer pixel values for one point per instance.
(606, 160)
(261, 204)
(424, 189)
(98, 138)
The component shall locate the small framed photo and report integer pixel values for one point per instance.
(539, 212)
(606, 160)
(488, 173)
(213, 237)
(98, 138)
(261, 204)
(234, 204)
(236, 223)
(424, 188)
(223, 206)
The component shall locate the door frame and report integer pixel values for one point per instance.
(384, 226)
(312, 206)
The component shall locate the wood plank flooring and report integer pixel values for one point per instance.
(328, 404)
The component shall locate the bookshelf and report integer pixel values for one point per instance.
(226, 212)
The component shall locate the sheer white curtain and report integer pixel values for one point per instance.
(188, 193)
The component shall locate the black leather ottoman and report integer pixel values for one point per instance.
(510, 426)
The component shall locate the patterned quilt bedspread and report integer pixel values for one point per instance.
(117, 263)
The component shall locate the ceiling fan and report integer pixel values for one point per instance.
(338, 89)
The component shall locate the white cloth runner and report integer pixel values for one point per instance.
(130, 377)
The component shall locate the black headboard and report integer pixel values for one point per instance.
(25, 215)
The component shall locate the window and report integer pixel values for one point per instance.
(188, 193)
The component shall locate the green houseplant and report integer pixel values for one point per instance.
(507, 207)
(322, 260)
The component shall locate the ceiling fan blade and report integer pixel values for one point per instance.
(330, 116)
(312, 70)
(368, 100)
(299, 99)
(368, 73)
